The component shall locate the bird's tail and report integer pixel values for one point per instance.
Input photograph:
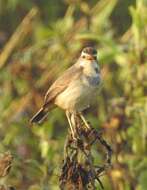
(39, 116)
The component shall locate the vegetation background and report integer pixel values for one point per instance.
(38, 41)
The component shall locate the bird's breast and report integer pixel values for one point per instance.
(92, 81)
(78, 96)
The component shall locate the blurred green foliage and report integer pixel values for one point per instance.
(118, 29)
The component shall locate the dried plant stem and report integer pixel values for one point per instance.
(22, 30)
(5, 166)
(83, 175)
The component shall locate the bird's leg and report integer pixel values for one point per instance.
(73, 122)
(68, 115)
(84, 120)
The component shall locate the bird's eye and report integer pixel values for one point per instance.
(83, 56)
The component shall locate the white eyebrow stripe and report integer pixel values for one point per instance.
(86, 54)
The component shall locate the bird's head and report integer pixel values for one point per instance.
(88, 61)
(89, 53)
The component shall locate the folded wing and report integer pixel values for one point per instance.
(62, 83)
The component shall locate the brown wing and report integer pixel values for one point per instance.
(62, 83)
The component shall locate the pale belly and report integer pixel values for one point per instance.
(77, 97)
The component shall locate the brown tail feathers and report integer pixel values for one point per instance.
(39, 116)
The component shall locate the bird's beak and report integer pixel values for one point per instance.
(91, 57)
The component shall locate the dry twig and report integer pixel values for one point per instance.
(5, 166)
(22, 30)
(83, 175)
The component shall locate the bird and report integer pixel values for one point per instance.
(75, 90)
